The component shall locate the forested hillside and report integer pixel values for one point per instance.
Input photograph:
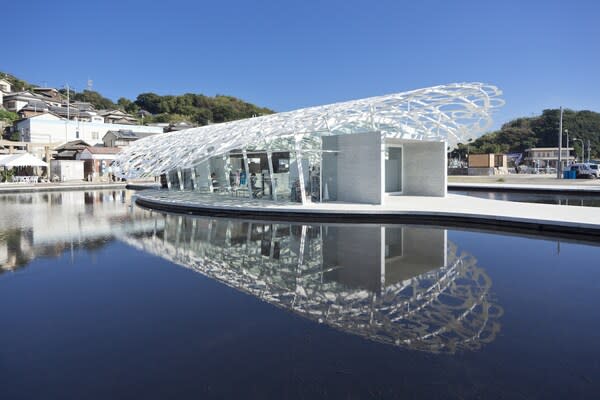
(541, 131)
(195, 108)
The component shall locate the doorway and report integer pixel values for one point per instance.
(393, 169)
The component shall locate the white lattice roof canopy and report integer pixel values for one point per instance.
(454, 113)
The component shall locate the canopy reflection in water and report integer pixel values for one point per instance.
(399, 285)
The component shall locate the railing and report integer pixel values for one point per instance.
(25, 179)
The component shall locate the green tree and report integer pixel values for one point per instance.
(96, 99)
(127, 105)
(149, 102)
(8, 116)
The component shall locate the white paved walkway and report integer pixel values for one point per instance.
(456, 206)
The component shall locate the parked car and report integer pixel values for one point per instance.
(584, 171)
(595, 169)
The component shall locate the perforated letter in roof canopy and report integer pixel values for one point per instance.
(454, 113)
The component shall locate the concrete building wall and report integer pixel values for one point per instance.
(66, 170)
(353, 172)
(47, 128)
(5, 86)
(424, 169)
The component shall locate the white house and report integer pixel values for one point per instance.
(49, 128)
(5, 88)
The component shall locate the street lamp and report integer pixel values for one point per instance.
(582, 150)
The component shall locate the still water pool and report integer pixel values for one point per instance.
(101, 299)
(563, 199)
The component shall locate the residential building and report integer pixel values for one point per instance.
(33, 108)
(117, 117)
(122, 138)
(97, 161)
(70, 150)
(179, 126)
(48, 127)
(17, 100)
(5, 88)
(547, 157)
(50, 95)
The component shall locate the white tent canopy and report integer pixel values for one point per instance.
(21, 160)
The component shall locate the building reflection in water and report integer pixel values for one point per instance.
(399, 285)
(46, 224)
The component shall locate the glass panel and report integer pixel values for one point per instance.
(202, 177)
(329, 169)
(187, 179)
(281, 175)
(217, 174)
(295, 185)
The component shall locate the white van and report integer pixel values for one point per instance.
(595, 169)
(584, 171)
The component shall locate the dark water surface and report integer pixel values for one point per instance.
(565, 199)
(99, 299)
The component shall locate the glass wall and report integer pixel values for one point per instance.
(283, 176)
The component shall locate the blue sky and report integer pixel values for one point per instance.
(291, 54)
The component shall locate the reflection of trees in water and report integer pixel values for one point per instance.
(445, 309)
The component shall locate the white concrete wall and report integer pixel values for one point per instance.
(48, 128)
(353, 174)
(66, 170)
(424, 168)
(17, 106)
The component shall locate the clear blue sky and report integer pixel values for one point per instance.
(291, 54)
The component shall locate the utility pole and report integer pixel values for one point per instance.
(568, 153)
(560, 132)
(68, 101)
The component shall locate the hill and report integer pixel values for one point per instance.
(540, 131)
(196, 108)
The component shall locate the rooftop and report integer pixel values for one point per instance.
(102, 150)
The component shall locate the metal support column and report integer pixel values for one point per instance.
(300, 169)
(193, 177)
(227, 160)
(247, 169)
(272, 175)
(180, 178)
